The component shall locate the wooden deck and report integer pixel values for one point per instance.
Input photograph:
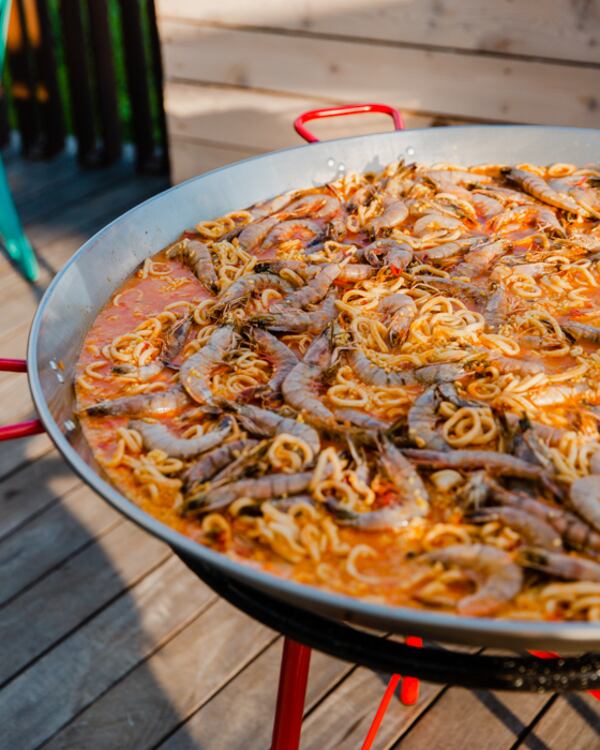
(108, 641)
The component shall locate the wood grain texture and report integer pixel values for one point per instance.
(343, 719)
(474, 718)
(51, 537)
(262, 121)
(74, 591)
(571, 723)
(434, 81)
(191, 158)
(187, 672)
(559, 29)
(41, 700)
(249, 123)
(18, 503)
(253, 694)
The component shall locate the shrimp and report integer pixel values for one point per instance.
(496, 309)
(317, 205)
(264, 488)
(388, 252)
(267, 423)
(272, 206)
(305, 270)
(497, 577)
(480, 258)
(421, 422)
(360, 419)
(585, 498)
(298, 388)
(404, 476)
(412, 500)
(394, 213)
(447, 391)
(539, 188)
(544, 217)
(560, 565)
(372, 374)
(435, 221)
(581, 331)
(157, 436)
(391, 518)
(457, 177)
(312, 292)
(300, 321)
(496, 463)
(250, 284)
(454, 286)
(441, 252)
(550, 435)
(253, 234)
(205, 467)
(143, 373)
(305, 230)
(354, 272)
(152, 404)
(398, 310)
(196, 371)
(573, 530)
(520, 367)
(281, 357)
(486, 206)
(534, 530)
(200, 261)
(440, 373)
(174, 340)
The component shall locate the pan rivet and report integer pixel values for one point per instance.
(59, 377)
(331, 162)
(53, 365)
(341, 167)
(69, 425)
(410, 151)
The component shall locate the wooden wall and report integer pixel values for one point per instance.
(237, 72)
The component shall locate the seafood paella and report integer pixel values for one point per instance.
(387, 386)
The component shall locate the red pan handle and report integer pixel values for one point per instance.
(21, 429)
(348, 109)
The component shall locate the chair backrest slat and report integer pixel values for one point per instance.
(4, 16)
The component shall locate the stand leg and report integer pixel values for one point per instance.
(378, 718)
(409, 691)
(293, 676)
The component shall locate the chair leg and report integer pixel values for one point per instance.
(293, 678)
(17, 245)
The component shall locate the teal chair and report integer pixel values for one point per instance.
(12, 236)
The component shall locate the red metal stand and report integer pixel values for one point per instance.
(293, 677)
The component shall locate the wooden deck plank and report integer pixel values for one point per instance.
(51, 537)
(74, 591)
(344, 718)
(572, 722)
(187, 672)
(27, 492)
(45, 697)
(495, 719)
(253, 693)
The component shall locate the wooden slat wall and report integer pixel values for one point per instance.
(236, 73)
